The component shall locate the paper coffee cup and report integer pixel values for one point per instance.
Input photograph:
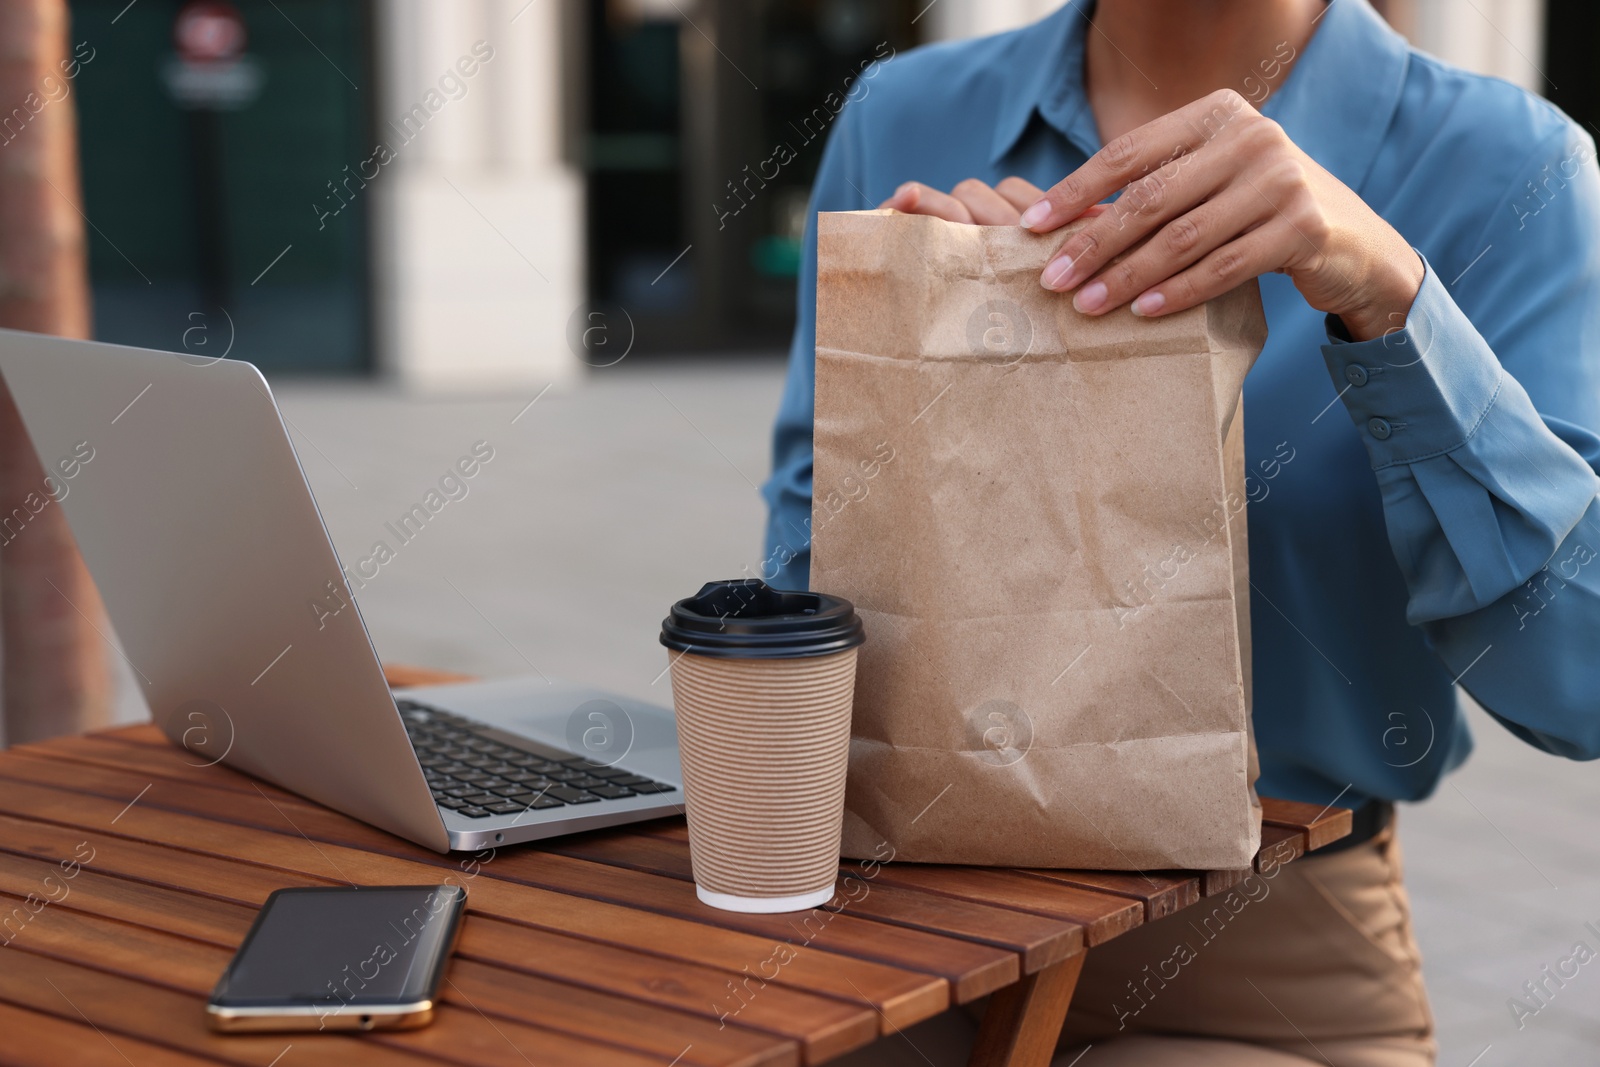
(762, 683)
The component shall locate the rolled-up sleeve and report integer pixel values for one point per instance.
(1480, 417)
(839, 187)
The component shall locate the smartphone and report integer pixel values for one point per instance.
(337, 958)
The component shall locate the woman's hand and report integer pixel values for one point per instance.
(975, 202)
(1224, 196)
(972, 201)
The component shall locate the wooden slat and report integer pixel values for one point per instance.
(535, 1000)
(665, 1033)
(1039, 940)
(1321, 825)
(191, 966)
(224, 879)
(1161, 893)
(503, 1043)
(1113, 924)
(149, 954)
(972, 970)
(823, 1024)
(626, 847)
(143, 733)
(404, 676)
(34, 1039)
(1213, 883)
(903, 997)
(153, 761)
(1280, 841)
(90, 890)
(1289, 830)
(1102, 915)
(244, 807)
(118, 1005)
(1279, 845)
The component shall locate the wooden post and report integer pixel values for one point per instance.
(1023, 1021)
(56, 666)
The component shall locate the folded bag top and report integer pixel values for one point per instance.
(1039, 515)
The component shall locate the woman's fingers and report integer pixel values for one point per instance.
(1179, 244)
(986, 206)
(973, 201)
(1132, 155)
(1019, 192)
(914, 198)
(1250, 255)
(1166, 193)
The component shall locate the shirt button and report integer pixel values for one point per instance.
(1379, 428)
(1356, 375)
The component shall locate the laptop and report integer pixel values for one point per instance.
(180, 482)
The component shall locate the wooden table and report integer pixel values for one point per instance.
(587, 950)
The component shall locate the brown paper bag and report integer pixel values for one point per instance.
(1040, 517)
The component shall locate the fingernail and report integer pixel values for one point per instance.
(1148, 303)
(1090, 297)
(1056, 273)
(1036, 214)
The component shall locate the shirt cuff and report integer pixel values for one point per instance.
(1418, 391)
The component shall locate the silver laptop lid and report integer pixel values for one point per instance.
(194, 517)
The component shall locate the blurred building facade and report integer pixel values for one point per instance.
(467, 194)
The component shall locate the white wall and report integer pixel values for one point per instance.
(1500, 37)
(949, 20)
(477, 222)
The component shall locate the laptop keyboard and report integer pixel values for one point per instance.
(477, 771)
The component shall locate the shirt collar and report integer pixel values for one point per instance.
(1336, 103)
(1046, 76)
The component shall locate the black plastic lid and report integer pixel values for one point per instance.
(747, 619)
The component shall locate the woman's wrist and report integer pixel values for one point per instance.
(1391, 296)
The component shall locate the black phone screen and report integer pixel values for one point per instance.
(337, 947)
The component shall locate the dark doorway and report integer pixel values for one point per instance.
(703, 135)
(1572, 81)
(233, 223)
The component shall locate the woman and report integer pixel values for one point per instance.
(1427, 241)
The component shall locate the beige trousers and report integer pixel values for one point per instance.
(1313, 963)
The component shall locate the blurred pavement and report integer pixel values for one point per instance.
(605, 501)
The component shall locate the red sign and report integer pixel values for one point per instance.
(209, 31)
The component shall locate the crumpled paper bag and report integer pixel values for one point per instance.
(1040, 517)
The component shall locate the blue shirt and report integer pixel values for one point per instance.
(1437, 517)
